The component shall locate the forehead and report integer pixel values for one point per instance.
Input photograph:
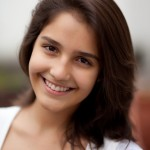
(76, 14)
(69, 27)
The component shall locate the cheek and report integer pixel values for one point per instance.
(36, 63)
(87, 80)
(33, 65)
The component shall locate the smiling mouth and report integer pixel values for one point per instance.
(56, 87)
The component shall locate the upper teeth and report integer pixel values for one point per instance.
(56, 88)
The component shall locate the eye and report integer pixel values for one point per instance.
(84, 61)
(51, 48)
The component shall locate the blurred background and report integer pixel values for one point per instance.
(14, 18)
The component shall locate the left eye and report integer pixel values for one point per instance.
(84, 61)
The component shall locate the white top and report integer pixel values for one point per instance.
(8, 114)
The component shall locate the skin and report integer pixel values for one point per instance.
(71, 64)
(64, 63)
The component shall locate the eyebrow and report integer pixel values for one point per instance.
(88, 55)
(48, 39)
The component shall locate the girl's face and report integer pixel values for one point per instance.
(64, 63)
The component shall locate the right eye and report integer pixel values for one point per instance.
(51, 48)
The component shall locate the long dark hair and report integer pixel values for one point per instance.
(104, 113)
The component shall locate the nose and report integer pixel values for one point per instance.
(60, 71)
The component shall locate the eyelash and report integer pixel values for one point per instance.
(84, 61)
(51, 48)
(54, 50)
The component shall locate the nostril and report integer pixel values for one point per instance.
(60, 73)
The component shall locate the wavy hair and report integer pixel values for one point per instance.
(104, 113)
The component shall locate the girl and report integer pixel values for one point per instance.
(79, 58)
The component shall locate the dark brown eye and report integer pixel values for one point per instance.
(51, 48)
(84, 61)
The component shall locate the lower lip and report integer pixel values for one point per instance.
(50, 91)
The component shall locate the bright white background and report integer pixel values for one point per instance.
(15, 16)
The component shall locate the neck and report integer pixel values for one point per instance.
(46, 119)
(37, 121)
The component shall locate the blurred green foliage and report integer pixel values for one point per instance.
(12, 78)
